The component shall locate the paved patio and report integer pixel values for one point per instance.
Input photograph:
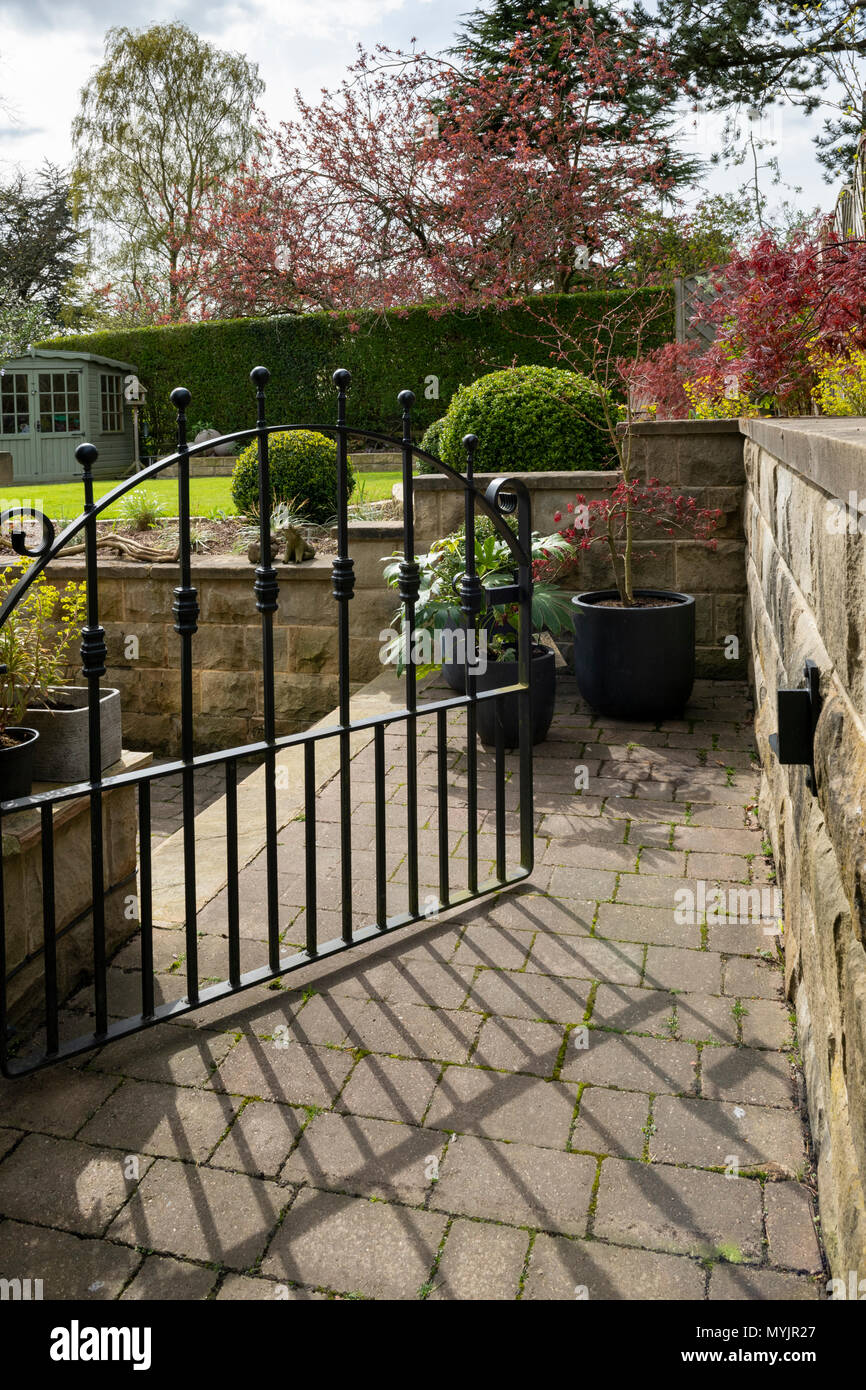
(534, 1098)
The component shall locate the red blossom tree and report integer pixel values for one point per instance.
(415, 181)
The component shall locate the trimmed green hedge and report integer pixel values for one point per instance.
(421, 348)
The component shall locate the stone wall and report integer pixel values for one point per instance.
(22, 889)
(135, 604)
(704, 458)
(807, 598)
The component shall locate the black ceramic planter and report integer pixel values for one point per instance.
(16, 764)
(635, 663)
(542, 697)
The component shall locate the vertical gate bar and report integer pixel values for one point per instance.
(500, 788)
(343, 585)
(49, 928)
(310, 847)
(93, 654)
(145, 898)
(442, 798)
(379, 798)
(524, 659)
(470, 604)
(472, 797)
(232, 889)
(409, 587)
(185, 609)
(267, 599)
(3, 1009)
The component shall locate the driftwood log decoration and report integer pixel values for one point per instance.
(130, 549)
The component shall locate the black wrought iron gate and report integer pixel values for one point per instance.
(503, 497)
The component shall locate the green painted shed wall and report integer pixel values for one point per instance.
(50, 457)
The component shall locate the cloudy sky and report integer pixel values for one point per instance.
(49, 47)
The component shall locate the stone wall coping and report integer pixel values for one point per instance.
(203, 566)
(27, 829)
(580, 480)
(831, 453)
(684, 427)
(373, 531)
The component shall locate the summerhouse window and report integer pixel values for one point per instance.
(59, 403)
(15, 403)
(111, 404)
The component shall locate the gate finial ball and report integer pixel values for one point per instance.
(86, 455)
(180, 398)
(406, 399)
(260, 376)
(342, 378)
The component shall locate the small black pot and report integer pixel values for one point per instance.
(542, 698)
(16, 764)
(635, 663)
(454, 672)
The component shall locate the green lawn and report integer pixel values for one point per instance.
(208, 496)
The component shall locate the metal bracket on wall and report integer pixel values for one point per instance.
(798, 712)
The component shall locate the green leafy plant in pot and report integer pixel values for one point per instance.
(634, 648)
(439, 623)
(34, 650)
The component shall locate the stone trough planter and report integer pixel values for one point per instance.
(61, 753)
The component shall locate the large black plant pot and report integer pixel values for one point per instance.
(635, 663)
(16, 764)
(542, 697)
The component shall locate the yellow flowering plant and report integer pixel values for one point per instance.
(840, 383)
(35, 640)
(709, 400)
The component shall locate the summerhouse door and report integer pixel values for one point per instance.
(58, 407)
(18, 433)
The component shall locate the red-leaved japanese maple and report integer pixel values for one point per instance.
(778, 304)
(631, 506)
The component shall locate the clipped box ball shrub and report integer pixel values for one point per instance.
(303, 471)
(431, 442)
(528, 420)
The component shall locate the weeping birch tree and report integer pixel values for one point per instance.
(165, 117)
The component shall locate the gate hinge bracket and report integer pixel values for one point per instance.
(499, 594)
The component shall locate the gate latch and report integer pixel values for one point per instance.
(798, 712)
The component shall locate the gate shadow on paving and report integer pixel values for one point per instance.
(303, 1136)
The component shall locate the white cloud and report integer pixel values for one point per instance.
(49, 48)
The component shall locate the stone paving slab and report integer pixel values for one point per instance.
(69, 1267)
(546, 1094)
(161, 1278)
(517, 1184)
(680, 1210)
(373, 1248)
(568, 1269)
(205, 1214)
